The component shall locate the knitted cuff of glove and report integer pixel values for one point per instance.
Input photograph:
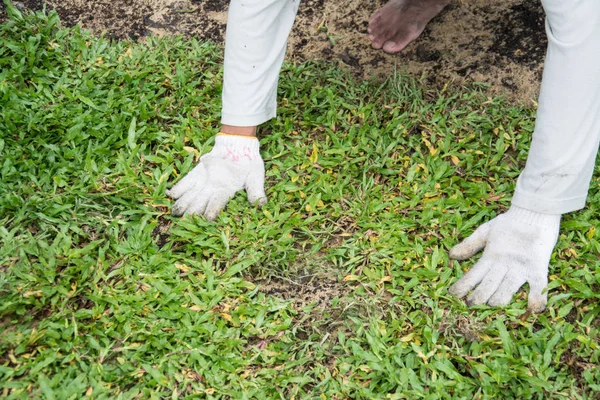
(236, 147)
(533, 218)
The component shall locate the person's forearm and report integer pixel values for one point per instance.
(565, 141)
(255, 44)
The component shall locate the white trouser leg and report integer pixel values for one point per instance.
(255, 44)
(557, 176)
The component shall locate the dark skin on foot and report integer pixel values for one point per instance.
(400, 22)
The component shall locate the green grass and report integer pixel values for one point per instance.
(336, 289)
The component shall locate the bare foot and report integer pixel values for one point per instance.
(400, 22)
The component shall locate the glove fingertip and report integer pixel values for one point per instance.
(177, 211)
(211, 216)
(537, 302)
(180, 189)
(476, 298)
(458, 253)
(181, 206)
(472, 244)
(496, 301)
(213, 209)
(216, 204)
(459, 289)
(261, 201)
(256, 196)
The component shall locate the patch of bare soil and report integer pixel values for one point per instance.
(321, 301)
(317, 290)
(501, 43)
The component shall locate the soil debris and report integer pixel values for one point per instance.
(499, 43)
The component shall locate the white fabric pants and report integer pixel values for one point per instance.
(557, 176)
(565, 141)
(255, 44)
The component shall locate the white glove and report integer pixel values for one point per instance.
(518, 246)
(233, 164)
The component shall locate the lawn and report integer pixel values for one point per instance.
(336, 289)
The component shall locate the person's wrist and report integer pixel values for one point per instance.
(249, 131)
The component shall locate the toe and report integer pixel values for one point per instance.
(398, 42)
(393, 47)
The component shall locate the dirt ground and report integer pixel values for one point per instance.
(498, 42)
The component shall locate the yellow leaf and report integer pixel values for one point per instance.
(314, 156)
(407, 338)
(308, 208)
(163, 177)
(432, 149)
(89, 391)
(267, 213)
(454, 160)
(320, 203)
(591, 232)
(196, 308)
(192, 150)
(182, 267)
(429, 199)
(210, 391)
(295, 178)
(351, 277)
(248, 285)
(139, 373)
(35, 293)
(226, 317)
(364, 368)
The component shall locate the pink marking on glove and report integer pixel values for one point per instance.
(230, 152)
(248, 153)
